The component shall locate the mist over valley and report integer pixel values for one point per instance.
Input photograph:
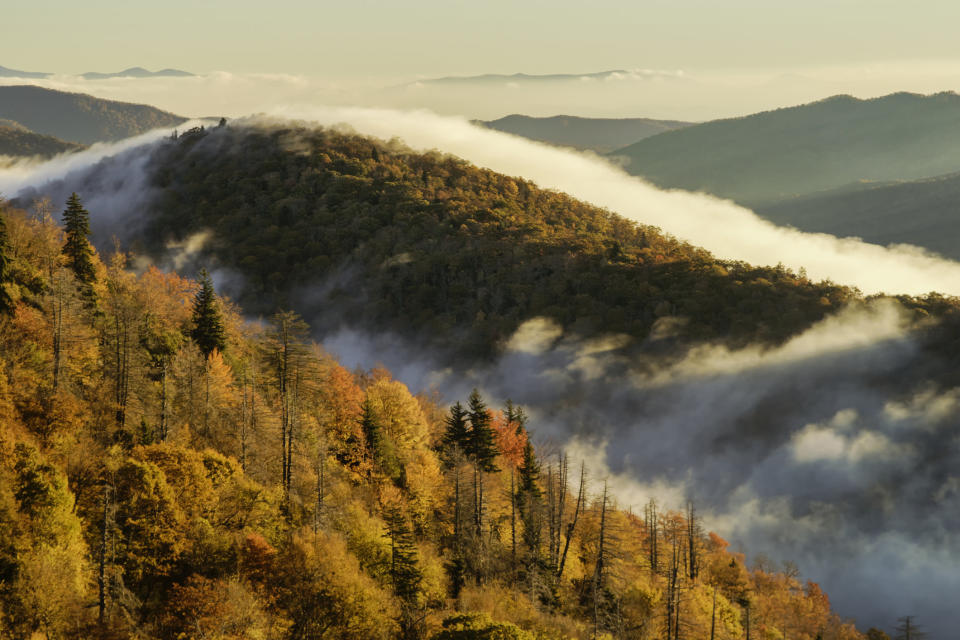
(579, 343)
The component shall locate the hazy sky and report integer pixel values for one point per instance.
(379, 38)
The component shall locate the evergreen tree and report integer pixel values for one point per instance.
(405, 572)
(6, 303)
(529, 472)
(516, 416)
(370, 427)
(481, 444)
(529, 501)
(76, 225)
(457, 433)
(908, 629)
(208, 330)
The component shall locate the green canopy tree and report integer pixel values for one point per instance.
(77, 249)
(457, 432)
(208, 328)
(482, 441)
(529, 500)
(404, 572)
(516, 416)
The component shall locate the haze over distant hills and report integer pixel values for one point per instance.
(596, 134)
(499, 78)
(502, 78)
(137, 72)
(774, 155)
(132, 72)
(77, 117)
(16, 73)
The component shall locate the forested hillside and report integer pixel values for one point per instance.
(17, 140)
(430, 245)
(77, 117)
(596, 134)
(918, 212)
(170, 470)
(769, 156)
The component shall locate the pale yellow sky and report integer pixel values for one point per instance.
(390, 39)
(721, 58)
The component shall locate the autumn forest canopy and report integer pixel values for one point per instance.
(172, 469)
(180, 456)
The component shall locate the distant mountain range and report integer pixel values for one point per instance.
(500, 79)
(132, 72)
(776, 155)
(596, 134)
(80, 118)
(137, 72)
(16, 73)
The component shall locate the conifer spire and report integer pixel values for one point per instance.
(208, 329)
(481, 445)
(457, 432)
(77, 249)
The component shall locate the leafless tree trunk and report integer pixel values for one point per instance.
(102, 570)
(599, 567)
(573, 523)
(713, 614)
(513, 518)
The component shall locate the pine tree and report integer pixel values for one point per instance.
(405, 572)
(76, 224)
(908, 629)
(370, 427)
(516, 416)
(6, 303)
(208, 329)
(481, 444)
(457, 433)
(529, 500)
(529, 472)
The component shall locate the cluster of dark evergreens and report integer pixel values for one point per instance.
(170, 471)
(432, 246)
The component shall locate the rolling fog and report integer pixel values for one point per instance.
(835, 450)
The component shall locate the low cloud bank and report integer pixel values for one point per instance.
(833, 450)
(829, 452)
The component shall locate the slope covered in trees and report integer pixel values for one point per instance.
(17, 140)
(919, 212)
(430, 245)
(77, 117)
(769, 156)
(596, 134)
(154, 484)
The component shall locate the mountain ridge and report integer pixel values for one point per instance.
(79, 117)
(763, 157)
(137, 72)
(6, 72)
(595, 134)
(16, 140)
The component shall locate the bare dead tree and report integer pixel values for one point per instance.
(571, 527)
